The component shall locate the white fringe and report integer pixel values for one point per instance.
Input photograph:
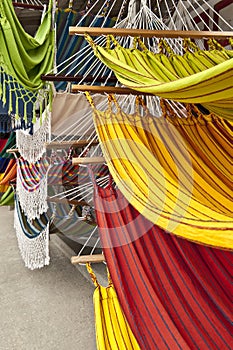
(32, 147)
(33, 203)
(35, 250)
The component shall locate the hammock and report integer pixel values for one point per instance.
(165, 175)
(68, 45)
(7, 198)
(31, 144)
(9, 144)
(196, 77)
(175, 294)
(23, 59)
(10, 172)
(31, 187)
(33, 242)
(3, 142)
(112, 329)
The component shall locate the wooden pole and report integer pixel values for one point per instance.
(12, 150)
(193, 34)
(88, 160)
(83, 259)
(108, 90)
(27, 6)
(77, 78)
(67, 144)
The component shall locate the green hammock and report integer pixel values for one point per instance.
(198, 76)
(23, 58)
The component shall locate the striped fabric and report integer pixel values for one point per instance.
(10, 172)
(68, 45)
(112, 328)
(196, 77)
(178, 174)
(175, 294)
(31, 174)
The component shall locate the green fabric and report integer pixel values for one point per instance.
(7, 198)
(23, 58)
(203, 77)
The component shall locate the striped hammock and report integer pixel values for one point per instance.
(175, 294)
(175, 172)
(199, 76)
(31, 186)
(112, 328)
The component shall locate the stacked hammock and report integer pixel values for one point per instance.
(198, 76)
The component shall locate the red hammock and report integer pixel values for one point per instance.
(175, 294)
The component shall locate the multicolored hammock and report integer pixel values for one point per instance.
(175, 172)
(23, 59)
(175, 294)
(112, 328)
(31, 186)
(198, 76)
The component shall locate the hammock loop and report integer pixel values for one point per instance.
(189, 45)
(140, 43)
(92, 274)
(112, 98)
(164, 46)
(214, 45)
(90, 100)
(89, 39)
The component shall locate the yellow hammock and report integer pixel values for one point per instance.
(196, 77)
(164, 178)
(112, 329)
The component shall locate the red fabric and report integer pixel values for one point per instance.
(175, 294)
(2, 143)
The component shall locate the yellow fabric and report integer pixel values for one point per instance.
(196, 77)
(112, 329)
(3, 188)
(178, 184)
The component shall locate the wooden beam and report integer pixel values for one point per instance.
(67, 144)
(88, 160)
(27, 6)
(108, 90)
(193, 34)
(77, 78)
(83, 259)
